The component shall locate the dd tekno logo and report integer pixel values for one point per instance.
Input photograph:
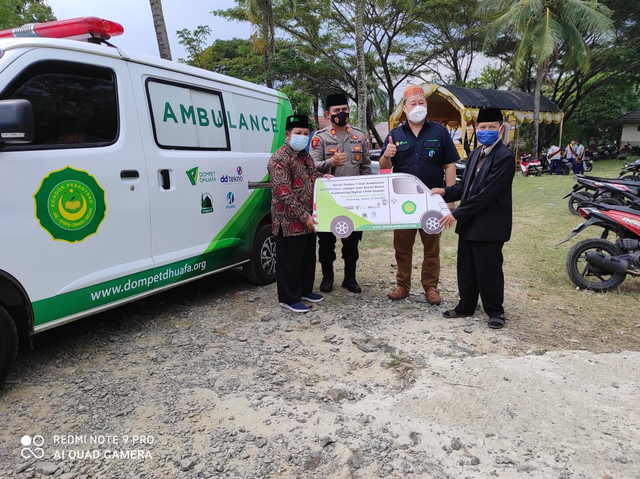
(70, 204)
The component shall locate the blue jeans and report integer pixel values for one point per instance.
(577, 167)
(554, 167)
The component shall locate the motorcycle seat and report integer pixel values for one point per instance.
(617, 181)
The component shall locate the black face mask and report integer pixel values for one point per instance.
(340, 119)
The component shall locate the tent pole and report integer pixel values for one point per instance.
(517, 138)
(561, 124)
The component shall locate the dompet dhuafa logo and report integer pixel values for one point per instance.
(70, 205)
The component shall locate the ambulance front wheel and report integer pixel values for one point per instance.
(261, 268)
(341, 226)
(8, 344)
(431, 222)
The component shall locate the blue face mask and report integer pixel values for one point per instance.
(299, 142)
(488, 137)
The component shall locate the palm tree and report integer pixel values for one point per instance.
(360, 69)
(161, 29)
(547, 29)
(260, 14)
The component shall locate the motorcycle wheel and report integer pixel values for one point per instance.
(610, 201)
(588, 167)
(575, 203)
(587, 276)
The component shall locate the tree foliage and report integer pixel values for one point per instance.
(15, 13)
(540, 46)
(548, 30)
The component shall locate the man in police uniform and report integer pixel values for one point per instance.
(340, 150)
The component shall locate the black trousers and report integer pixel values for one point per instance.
(480, 273)
(327, 253)
(295, 266)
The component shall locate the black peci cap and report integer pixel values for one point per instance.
(489, 114)
(297, 121)
(336, 99)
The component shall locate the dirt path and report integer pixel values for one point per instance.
(226, 384)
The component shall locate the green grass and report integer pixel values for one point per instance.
(398, 361)
(547, 309)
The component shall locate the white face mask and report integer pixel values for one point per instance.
(299, 142)
(418, 114)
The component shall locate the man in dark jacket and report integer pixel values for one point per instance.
(484, 220)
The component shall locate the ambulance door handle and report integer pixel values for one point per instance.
(166, 179)
(129, 174)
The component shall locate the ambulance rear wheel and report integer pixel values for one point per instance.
(341, 226)
(8, 344)
(430, 222)
(261, 268)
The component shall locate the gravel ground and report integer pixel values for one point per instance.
(213, 379)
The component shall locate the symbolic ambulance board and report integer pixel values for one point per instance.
(345, 204)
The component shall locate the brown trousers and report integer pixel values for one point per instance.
(403, 241)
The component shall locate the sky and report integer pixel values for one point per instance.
(135, 16)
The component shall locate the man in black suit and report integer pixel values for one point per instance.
(484, 220)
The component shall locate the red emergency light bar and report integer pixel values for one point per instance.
(82, 28)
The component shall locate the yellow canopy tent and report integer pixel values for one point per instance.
(458, 107)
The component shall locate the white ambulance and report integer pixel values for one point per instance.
(122, 175)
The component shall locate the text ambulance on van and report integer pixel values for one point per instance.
(122, 175)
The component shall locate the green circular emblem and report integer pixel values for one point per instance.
(70, 204)
(409, 207)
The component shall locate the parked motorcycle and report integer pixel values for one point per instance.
(565, 166)
(530, 166)
(630, 171)
(590, 189)
(621, 194)
(597, 263)
(608, 151)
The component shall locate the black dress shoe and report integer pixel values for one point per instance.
(352, 285)
(326, 286)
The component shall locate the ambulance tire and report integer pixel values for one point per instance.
(342, 226)
(430, 222)
(261, 268)
(8, 344)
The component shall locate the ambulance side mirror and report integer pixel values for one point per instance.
(17, 125)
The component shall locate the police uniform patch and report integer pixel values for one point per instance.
(314, 142)
(358, 157)
(333, 132)
(354, 137)
(332, 150)
(348, 130)
(357, 148)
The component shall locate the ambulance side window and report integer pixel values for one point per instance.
(74, 105)
(187, 117)
(406, 186)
